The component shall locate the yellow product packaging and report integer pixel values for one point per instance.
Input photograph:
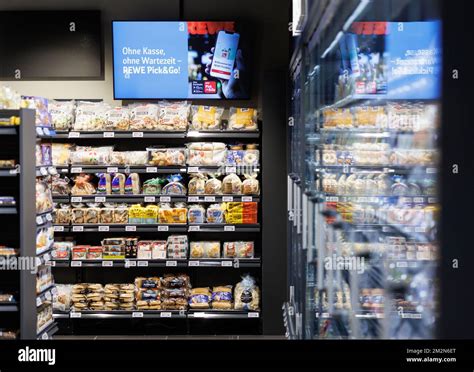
(234, 218)
(242, 119)
(135, 214)
(179, 215)
(234, 207)
(150, 214)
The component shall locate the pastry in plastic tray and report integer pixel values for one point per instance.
(79, 252)
(222, 297)
(91, 116)
(239, 249)
(173, 116)
(117, 118)
(199, 298)
(206, 118)
(242, 119)
(205, 249)
(144, 117)
(144, 249)
(166, 156)
(92, 215)
(60, 153)
(206, 153)
(62, 298)
(91, 155)
(44, 199)
(62, 114)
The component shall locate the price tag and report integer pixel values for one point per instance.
(137, 314)
(54, 291)
(104, 228)
(253, 315)
(13, 171)
(165, 314)
(385, 229)
(43, 171)
(209, 198)
(163, 228)
(142, 264)
(194, 199)
(76, 263)
(75, 315)
(171, 263)
(432, 200)
(78, 228)
(193, 169)
(151, 169)
(165, 199)
(194, 228)
(109, 134)
(129, 263)
(58, 228)
(418, 200)
(229, 228)
(130, 228)
(39, 131)
(46, 131)
(430, 170)
(49, 217)
(193, 263)
(150, 199)
(137, 134)
(39, 220)
(107, 263)
(227, 198)
(39, 302)
(230, 169)
(45, 336)
(112, 170)
(100, 199)
(200, 314)
(74, 135)
(247, 198)
(402, 264)
(76, 170)
(226, 264)
(76, 199)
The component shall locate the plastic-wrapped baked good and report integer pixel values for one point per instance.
(235, 155)
(169, 215)
(82, 185)
(61, 250)
(173, 116)
(174, 304)
(196, 214)
(147, 295)
(222, 297)
(247, 294)
(166, 156)
(118, 184)
(150, 214)
(104, 186)
(231, 184)
(215, 213)
(206, 153)
(176, 281)
(136, 158)
(91, 116)
(40, 105)
(62, 297)
(250, 186)
(60, 153)
(94, 253)
(251, 156)
(132, 184)
(91, 155)
(117, 118)
(242, 119)
(199, 298)
(92, 215)
(79, 215)
(158, 249)
(205, 249)
(213, 186)
(144, 250)
(62, 114)
(60, 186)
(107, 215)
(144, 117)
(206, 117)
(153, 186)
(197, 184)
(135, 214)
(238, 249)
(177, 247)
(121, 214)
(79, 252)
(148, 283)
(44, 198)
(174, 186)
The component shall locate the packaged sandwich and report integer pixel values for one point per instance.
(199, 298)
(206, 117)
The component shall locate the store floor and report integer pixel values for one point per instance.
(189, 337)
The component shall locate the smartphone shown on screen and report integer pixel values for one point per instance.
(225, 52)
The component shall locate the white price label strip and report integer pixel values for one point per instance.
(149, 199)
(78, 228)
(193, 199)
(137, 314)
(39, 220)
(253, 315)
(100, 199)
(58, 228)
(74, 134)
(107, 263)
(45, 336)
(193, 170)
(165, 314)
(229, 228)
(171, 263)
(247, 198)
(75, 315)
(39, 131)
(142, 264)
(129, 263)
(130, 228)
(39, 302)
(227, 198)
(151, 169)
(194, 228)
(109, 134)
(76, 199)
(49, 217)
(76, 170)
(137, 134)
(112, 170)
(165, 199)
(193, 263)
(163, 228)
(76, 263)
(210, 198)
(104, 228)
(230, 169)
(226, 264)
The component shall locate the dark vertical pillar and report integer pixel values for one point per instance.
(274, 194)
(27, 223)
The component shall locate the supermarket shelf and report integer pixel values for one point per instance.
(8, 210)
(48, 331)
(207, 227)
(45, 132)
(348, 169)
(61, 199)
(79, 228)
(223, 314)
(123, 198)
(74, 169)
(8, 307)
(62, 169)
(249, 169)
(362, 132)
(8, 130)
(222, 134)
(118, 134)
(134, 262)
(383, 199)
(45, 170)
(222, 198)
(9, 172)
(121, 314)
(44, 218)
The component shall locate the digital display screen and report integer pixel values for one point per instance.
(179, 60)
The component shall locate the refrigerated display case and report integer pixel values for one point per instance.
(363, 183)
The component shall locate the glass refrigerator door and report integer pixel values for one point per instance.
(372, 113)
